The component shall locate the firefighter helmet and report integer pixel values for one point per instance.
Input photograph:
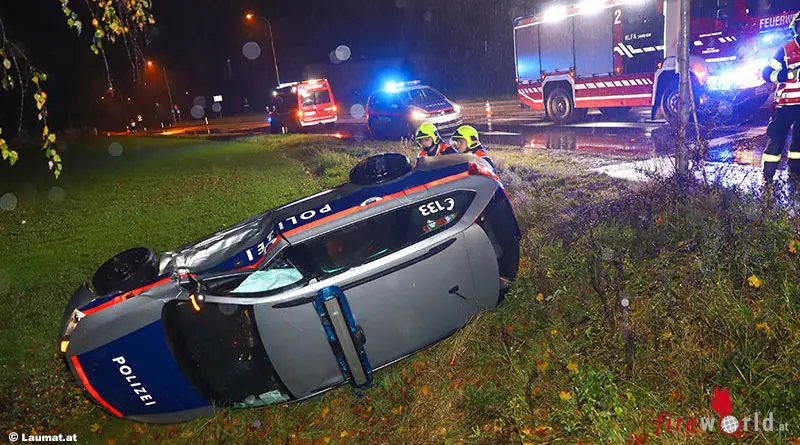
(469, 134)
(427, 130)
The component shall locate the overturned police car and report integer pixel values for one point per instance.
(299, 299)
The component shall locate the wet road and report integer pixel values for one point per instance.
(634, 138)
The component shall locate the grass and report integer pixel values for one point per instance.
(559, 362)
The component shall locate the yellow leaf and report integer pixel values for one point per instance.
(326, 439)
(554, 332)
(754, 281)
(666, 335)
(111, 442)
(526, 431)
(572, 367)
(95, 427)
(539, 297)
(397, 410)
(324, 412)
(7, 64)
(542, 366)
(565, 395)
(425, 390)
(761, 327)
(343, 433)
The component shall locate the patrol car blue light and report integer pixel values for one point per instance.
(318, 293)
(400, 107)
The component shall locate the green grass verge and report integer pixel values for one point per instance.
(558, 362)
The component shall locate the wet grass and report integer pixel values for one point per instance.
(711, 277)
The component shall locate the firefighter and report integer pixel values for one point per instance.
(430, 143)
(784, 69)
(466, 140)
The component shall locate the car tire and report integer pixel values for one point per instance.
(126, 271)
(560, 107)
(669, 103)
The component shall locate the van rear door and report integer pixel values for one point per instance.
(316, 103)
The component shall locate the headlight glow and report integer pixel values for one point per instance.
(419, 115)
(457, 108)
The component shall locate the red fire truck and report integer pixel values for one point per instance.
(618, 54)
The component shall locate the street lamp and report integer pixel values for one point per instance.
(169, 91)
(250, 17)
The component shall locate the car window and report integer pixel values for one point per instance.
(220, 351)
(382, 235)
(279, 274)
(420, 95)
(309, 98)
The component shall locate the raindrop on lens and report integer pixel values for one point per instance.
(200, 101)
(8, 202)
(115, 149)
(343, 53)
(357, 111)
(251, 50)
(56, 194)
(198, 112)
(216, 107)
(428, 16)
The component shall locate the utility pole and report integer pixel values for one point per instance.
(684, 94)
(172, 110)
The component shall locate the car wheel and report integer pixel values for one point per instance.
(126, 271)
(669, 103)
(560, 107)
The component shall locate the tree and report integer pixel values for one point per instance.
(110, 21)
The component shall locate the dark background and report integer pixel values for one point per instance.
(462, 47)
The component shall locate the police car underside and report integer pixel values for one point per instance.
(302, 298)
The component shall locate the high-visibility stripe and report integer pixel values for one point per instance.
(776, 64)
(794, 155)
(629, 96)
(770, 158)
(774, 76)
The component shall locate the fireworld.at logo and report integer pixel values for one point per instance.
(726, 424)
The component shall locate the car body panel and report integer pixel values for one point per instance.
(137, 375)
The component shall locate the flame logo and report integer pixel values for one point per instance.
(721, 402)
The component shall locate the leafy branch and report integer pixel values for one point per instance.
(111, 20)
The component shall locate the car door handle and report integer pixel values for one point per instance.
(454, 290)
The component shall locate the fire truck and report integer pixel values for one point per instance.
(618, 54)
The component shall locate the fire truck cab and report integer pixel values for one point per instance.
(297, 105)
(618, 54)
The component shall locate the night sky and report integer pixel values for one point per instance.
(461, 47)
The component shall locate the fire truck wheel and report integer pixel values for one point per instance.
(560, 107)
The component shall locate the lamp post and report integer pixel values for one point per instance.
(250, 16)
(169, 91)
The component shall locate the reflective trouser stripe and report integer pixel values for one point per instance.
(774, 76)
(794, 155)
(776, 64)
(772, 158)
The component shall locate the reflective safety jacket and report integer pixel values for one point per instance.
(783, 69)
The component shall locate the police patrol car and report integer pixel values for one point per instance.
(297, 300)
